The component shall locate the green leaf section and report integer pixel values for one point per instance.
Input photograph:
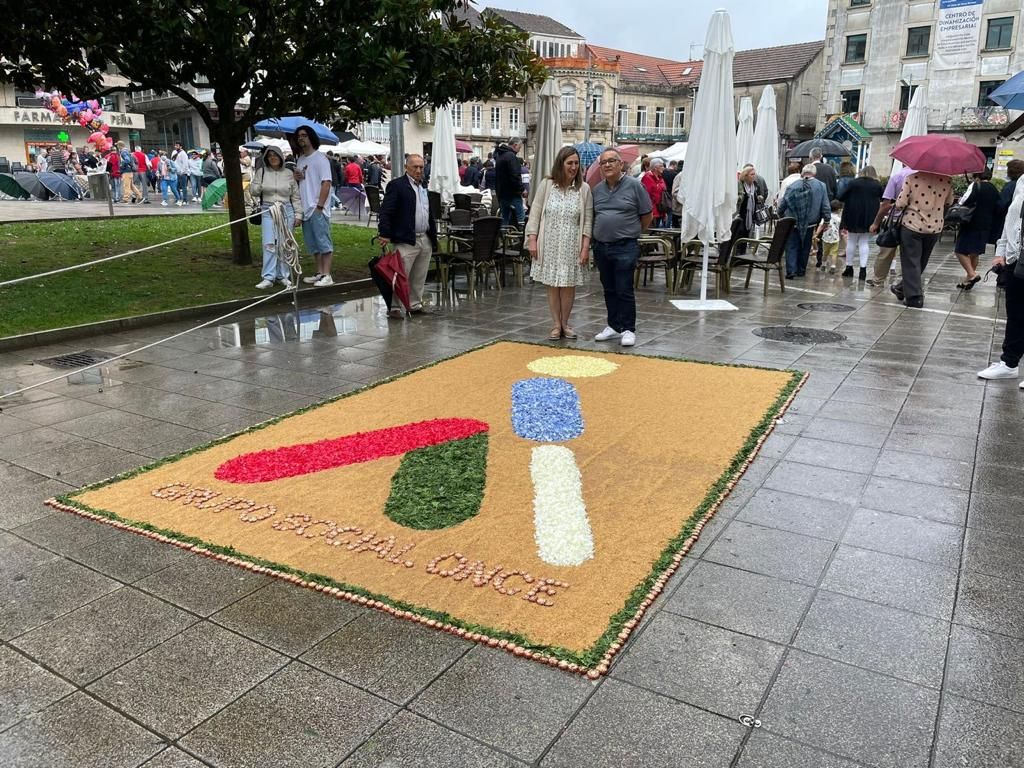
(439, 486)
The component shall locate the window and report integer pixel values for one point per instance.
(985, 87)
(457, 116)
(621, 116)
(856, 48)
(495, 118)
(659, 117)
(918, 39)
(906, 94)
(855, 3)
(477, 112)
(679, 117)
(597, 100)
(641, 117)
(999, 34)
(513, 120)
(568, 98)
(849, 101)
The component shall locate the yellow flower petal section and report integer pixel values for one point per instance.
(573, 366)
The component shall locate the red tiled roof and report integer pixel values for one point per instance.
(783, 62)
(649, 70)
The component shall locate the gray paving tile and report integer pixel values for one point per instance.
(172, 758)
(832, 455)
(819, 482)
(91, 641)
(621, 724)
(986, 667)
(915, 499)
(391, 657)
(77, 732)
(128, 557)
(846, 432)
(977, 735)
(797, 514)
(104, 422)
(34, 441)
(706, 666)
(299, 718)
(65, 532)
(919, 468)
(850, 393)
(894, 581)
(10, 425)
(990, 603)
(742, 601)
(852, 712)
(411, 741)
(50, 414)
(535, 703)
(784, 555)
(175, 686)
(767, 751)
(876, 637)
(202, 585)
(920, 539)
(923, 442)
(25, 688)
(997, 554)
(996, 513)
(18, 556)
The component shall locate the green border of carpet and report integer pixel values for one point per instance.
(589, 658)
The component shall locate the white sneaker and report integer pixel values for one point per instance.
(607, 334)
(264, 284)
(179, 203)
(998, 370)
(285, 283)
(163, 203)
(312, 279)
(628, 339)
(324, 282)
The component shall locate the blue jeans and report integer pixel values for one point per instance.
(195, 186)
(798, 250)
(169, 185)
(512, 211)
(616, 262)
(182, 193)
(116, 183)
(273, 267)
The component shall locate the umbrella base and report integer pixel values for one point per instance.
(696, 305)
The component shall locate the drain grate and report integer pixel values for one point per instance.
(824, 306)
(76, 359)
(798, 335)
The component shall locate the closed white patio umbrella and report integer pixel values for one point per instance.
(916, 123)
(708, 189)
(745, 133)
(549, 135)
(765, 154)
(444, 165)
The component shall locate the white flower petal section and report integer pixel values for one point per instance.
(573, 366)
(561, 527)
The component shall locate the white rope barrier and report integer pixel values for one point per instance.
(284, 235)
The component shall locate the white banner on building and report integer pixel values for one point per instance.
(956, 38)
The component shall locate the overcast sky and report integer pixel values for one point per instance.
(668, 28)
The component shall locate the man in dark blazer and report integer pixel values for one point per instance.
(406, 222)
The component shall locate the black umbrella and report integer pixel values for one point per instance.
(828, 148)
(60, 185)
(30, 183)
(10, 187)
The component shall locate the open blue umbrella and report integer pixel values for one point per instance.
(279, 127)
(589, 152)
(1011, 93)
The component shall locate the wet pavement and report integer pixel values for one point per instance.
(855, 602)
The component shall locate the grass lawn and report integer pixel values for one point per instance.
(190, 273)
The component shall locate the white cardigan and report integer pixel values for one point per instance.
(535, 227)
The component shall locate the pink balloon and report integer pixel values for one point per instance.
(85, 115)
(105, 128)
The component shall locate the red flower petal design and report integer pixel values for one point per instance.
(306, 458)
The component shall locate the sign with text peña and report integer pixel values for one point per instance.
(956, 37)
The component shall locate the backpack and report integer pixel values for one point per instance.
(128, 164)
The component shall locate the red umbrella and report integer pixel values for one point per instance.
(463, 147)
(388, 272)
(629, 153)
(936, 153)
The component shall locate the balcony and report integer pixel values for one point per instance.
(643, 134)
(983, 118)
(572, 119)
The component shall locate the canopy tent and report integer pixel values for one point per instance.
(765, 153)
(357, 147)
(916, 123)
(463, 147)
(548, 138)
(676, 152)
(444, 165)
(745, 133)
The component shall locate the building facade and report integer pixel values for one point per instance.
(878, 52)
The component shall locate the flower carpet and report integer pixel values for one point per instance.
(532, 499)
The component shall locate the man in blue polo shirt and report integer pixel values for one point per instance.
(622, 211)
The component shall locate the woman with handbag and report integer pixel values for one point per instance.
(272, 184)
(558, 237)
(976, 215)
(750, 210)
(1007, 263)
(923, 200)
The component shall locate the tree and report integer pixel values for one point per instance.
(337, 61)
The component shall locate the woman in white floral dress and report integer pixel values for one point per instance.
(558, 237)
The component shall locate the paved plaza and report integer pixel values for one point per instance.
(854, 602)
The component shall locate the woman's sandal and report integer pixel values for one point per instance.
(971, 283)
(555, 335)
(569, 333)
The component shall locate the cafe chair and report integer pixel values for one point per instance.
(774, 254)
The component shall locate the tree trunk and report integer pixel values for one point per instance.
(230, 139)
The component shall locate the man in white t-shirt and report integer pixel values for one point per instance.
(313, 174)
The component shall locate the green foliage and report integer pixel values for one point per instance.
(439, 486)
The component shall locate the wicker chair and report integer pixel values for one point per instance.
(774, 257)
(656, 252)
(719, 264)
(373, 200)
(476, 254)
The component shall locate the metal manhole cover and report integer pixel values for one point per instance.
(76, 359)
(824, 306)
(798, 335)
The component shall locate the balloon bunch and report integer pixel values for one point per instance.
(85, 113)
